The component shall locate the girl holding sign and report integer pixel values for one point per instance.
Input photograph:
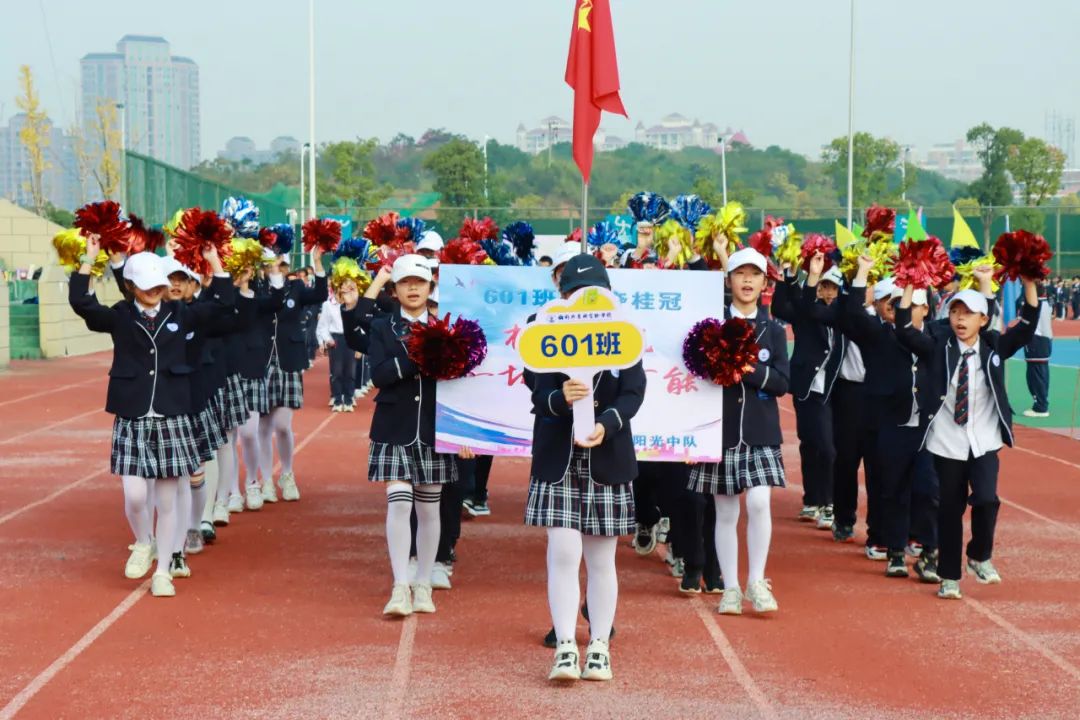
(581, 492)
(752, 461)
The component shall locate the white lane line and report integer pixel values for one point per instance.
(51, 496)
(1055, 458)
(58, 423)
(742, 675)
(49, 391)
(43, 678)
(1026, 638)
(399, 679)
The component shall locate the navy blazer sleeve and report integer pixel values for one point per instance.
(317, 294)
(387, 358)
(631, 394)
(915, 341)
(864, 329)
(783, 306)
(547, 395)
(773, 375)
(1020, 334)
(98, 318)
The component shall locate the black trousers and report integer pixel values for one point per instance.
(908, 502)
(342, 370)
(871, 427)
(696, 537)
(657, 489)
(850, 438)
(963, 482)
(1038, 382)
(474, 477)
(817, 451)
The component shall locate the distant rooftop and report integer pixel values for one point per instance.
(103, 56)
(144, 38)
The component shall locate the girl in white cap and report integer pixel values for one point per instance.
(149, 393)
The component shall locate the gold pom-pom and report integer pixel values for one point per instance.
(883, 254)
(672, 229)
(244, 254)
(966, 273)
(70, 246)
(729, 222)
(789, 252)
(345, 269)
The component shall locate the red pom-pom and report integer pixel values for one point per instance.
(444, 351)
(1022, 254)
(383, 230)
(815, 243)
(103, 219)
(142, 238)
(880, 222)
(385, 255)
(721, 351)
(197, 230)
(267, 237)
(462, 251)
(575, 236)
(477, 230)
(922, 264)
(323, 234)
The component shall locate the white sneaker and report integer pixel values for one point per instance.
(161, 585)
(984, 572)
(338, 408)
(221, 514)
(421, 598)
(351, 407)
(566, 665)
(1035, 414)
(236, 503)
(809, 513)
(289, 491)
(731, 603)
(825, 518)
(440, 577)
(140, 560)
(597, 661)
(178, 568)
(269, 493)
(193, 543)
(331, 403)
(759, 593)
(359, 393)
(400, 602)
(949, 590)
(253, 500)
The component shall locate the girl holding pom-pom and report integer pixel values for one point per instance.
(752, 462)
(149, 394)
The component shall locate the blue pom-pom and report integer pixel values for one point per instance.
(357, 248)
(415, 226)
(688, 210)
(648, 207)
(522, 239)
(501, 252)
(964, 255)
(242, 215)
(283, 245)
(602, 233)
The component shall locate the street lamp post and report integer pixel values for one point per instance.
(486, 141)
(312, 212)
(303, 151)
(723, 166)
(551, 140)
(851, 120)
(903, 172)
(123, 156)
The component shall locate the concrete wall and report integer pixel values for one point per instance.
(25, 240)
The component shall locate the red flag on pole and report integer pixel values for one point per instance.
(593, 72)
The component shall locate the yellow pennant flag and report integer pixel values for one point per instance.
(844, 237)
(961, 232)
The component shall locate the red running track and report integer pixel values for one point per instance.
(281, 618)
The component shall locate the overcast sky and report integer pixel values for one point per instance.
(926, 69)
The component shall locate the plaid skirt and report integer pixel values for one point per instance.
(256, 397)
(417, 463)
(209, 435)
(579, 503)
(744, 467)
(285, 389)
(154, 447)
(234, 406)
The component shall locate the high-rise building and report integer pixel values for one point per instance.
(241, 149)
(60, 180)
(159, 92)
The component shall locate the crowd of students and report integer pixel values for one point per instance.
(206, 364)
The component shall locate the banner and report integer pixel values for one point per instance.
(491, 411)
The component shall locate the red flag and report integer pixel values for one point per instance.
(593, 72)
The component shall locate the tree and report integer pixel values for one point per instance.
(1036, 166)
(458, 167)
(1027, 218)
(107, 139)
(705, 188)
(528, 204)
(968, 207)
(874, 158)
(347, 173)
(993, 188)
(34, 136)
(619, 207)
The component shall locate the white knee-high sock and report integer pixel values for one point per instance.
(564, 589)
(758, 531)
(198, 498)
(183, 513)
(266, 446)
(283, 433)
(727, 538)
(165, 496)
(399, 502)
(212, 475)
(428, 526)
(136, 507)
(602, 587)
(249, 441)
(228, 478)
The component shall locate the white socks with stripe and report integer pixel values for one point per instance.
(428, 527)
(758, 534)
(399, 500)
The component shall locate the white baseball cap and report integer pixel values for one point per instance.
(918, 297)
(833, 275)
(170, 265)
(564, 253)
(145, 271)
(430, 240)
(974, 299)
(410, 266)
(746, 256)
(884, 289)
(269, 255)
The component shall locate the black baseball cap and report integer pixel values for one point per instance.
(583, 271)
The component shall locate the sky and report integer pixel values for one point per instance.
(926, 70)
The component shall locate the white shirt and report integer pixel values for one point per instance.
(982, 433)
(410, 319)
(818, 384)
(913, 421)
(735, 313)
(329, 321)
(852, 368)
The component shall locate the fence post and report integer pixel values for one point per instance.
(1057, 244)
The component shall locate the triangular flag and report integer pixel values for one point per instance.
(844, 237)
(857, 229)
(915, 229)
(961, 232)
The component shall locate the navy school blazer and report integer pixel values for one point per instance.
(405, 405)
(249, 346)
(751, 414)
(792, 304)
(286, 334)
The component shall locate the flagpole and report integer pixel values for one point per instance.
(584, 215)
(851, 121)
